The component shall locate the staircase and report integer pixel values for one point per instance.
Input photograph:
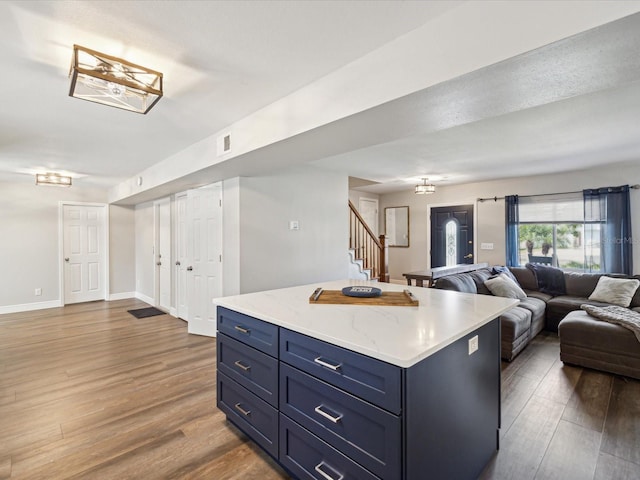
(367, 253)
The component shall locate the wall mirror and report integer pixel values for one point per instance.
(396, 222)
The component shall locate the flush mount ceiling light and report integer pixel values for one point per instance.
(54, 179)
(425, 187)
(108, 80)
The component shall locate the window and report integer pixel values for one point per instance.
(585, 231)
(451, 232)
(551, 229)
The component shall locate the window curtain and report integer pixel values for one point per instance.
(511, 222)
(607, 226)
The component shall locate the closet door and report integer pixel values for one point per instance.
(204, 274)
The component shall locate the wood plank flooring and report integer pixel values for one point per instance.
(89, 392)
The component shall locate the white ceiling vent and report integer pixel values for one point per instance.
(224, 144)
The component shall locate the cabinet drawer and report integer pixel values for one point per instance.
(371, 379)
(308, 457)
(249, 330)
(366, 433)
(254, 416)
(254, 370)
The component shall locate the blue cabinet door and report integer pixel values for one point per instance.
(368, 434)
(373, 380)
(308, 457)
(249, 367)
(252, 415)
(249, 330)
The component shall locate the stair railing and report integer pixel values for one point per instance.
(368, 248)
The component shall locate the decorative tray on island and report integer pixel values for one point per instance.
(363, 296)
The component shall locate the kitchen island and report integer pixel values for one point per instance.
(364, 392)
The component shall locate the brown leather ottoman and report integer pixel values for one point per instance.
(589, 342)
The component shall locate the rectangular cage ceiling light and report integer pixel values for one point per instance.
(112, 81)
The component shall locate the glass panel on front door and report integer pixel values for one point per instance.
(451, 231)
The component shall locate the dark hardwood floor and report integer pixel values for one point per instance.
(89, 392)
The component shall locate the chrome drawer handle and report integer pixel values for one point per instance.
(326, 415)
(318, 468)
(246, 413)
(319, 361)
(242, 329)
(239, 364)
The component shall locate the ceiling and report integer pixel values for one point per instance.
(565, 106)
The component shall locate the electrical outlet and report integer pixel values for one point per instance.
(38, 292)
(473, 344)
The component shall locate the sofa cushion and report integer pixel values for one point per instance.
(616, 314)
(592, 343)
(618, 291)
(550, 279)
(479, 277)
(559, 307)
(580, 328)
(502, 286)
(580, 284)
(545, 297)
(514, 323)
(538, 308)
(459, 282)
(525, 278)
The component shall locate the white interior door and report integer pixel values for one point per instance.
(368, 209)
(163, 253)
(204, 280)
(183, 255)
(84, 253)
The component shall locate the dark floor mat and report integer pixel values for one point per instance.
(146, 312)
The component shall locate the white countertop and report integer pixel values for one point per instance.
(401, 336)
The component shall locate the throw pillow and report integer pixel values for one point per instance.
(550, 279)
(502, 286)
(618, 291)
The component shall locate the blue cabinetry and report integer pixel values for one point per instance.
(328, 413)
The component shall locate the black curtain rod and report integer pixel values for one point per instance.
(495, 199)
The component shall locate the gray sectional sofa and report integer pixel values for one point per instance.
(584, 340)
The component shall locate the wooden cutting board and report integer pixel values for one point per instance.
(336, 297)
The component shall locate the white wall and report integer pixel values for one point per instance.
(144, 251)
(490, 226)
(231, 237)
(30, 250)
(122, 255)
(259, 250)
(271, 255)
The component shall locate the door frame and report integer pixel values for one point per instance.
(157, 204)
(186, 236)
(473, 202)
(105, 240)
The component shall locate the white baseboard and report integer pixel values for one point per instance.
(122, 296)
(173, 312)
(145, 298)
(27, 307)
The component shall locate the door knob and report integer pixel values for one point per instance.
(189, 269)
(469, 256)
(178, 262)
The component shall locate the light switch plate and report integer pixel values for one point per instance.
(294, 225)
(473, 344)
(486, 246)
